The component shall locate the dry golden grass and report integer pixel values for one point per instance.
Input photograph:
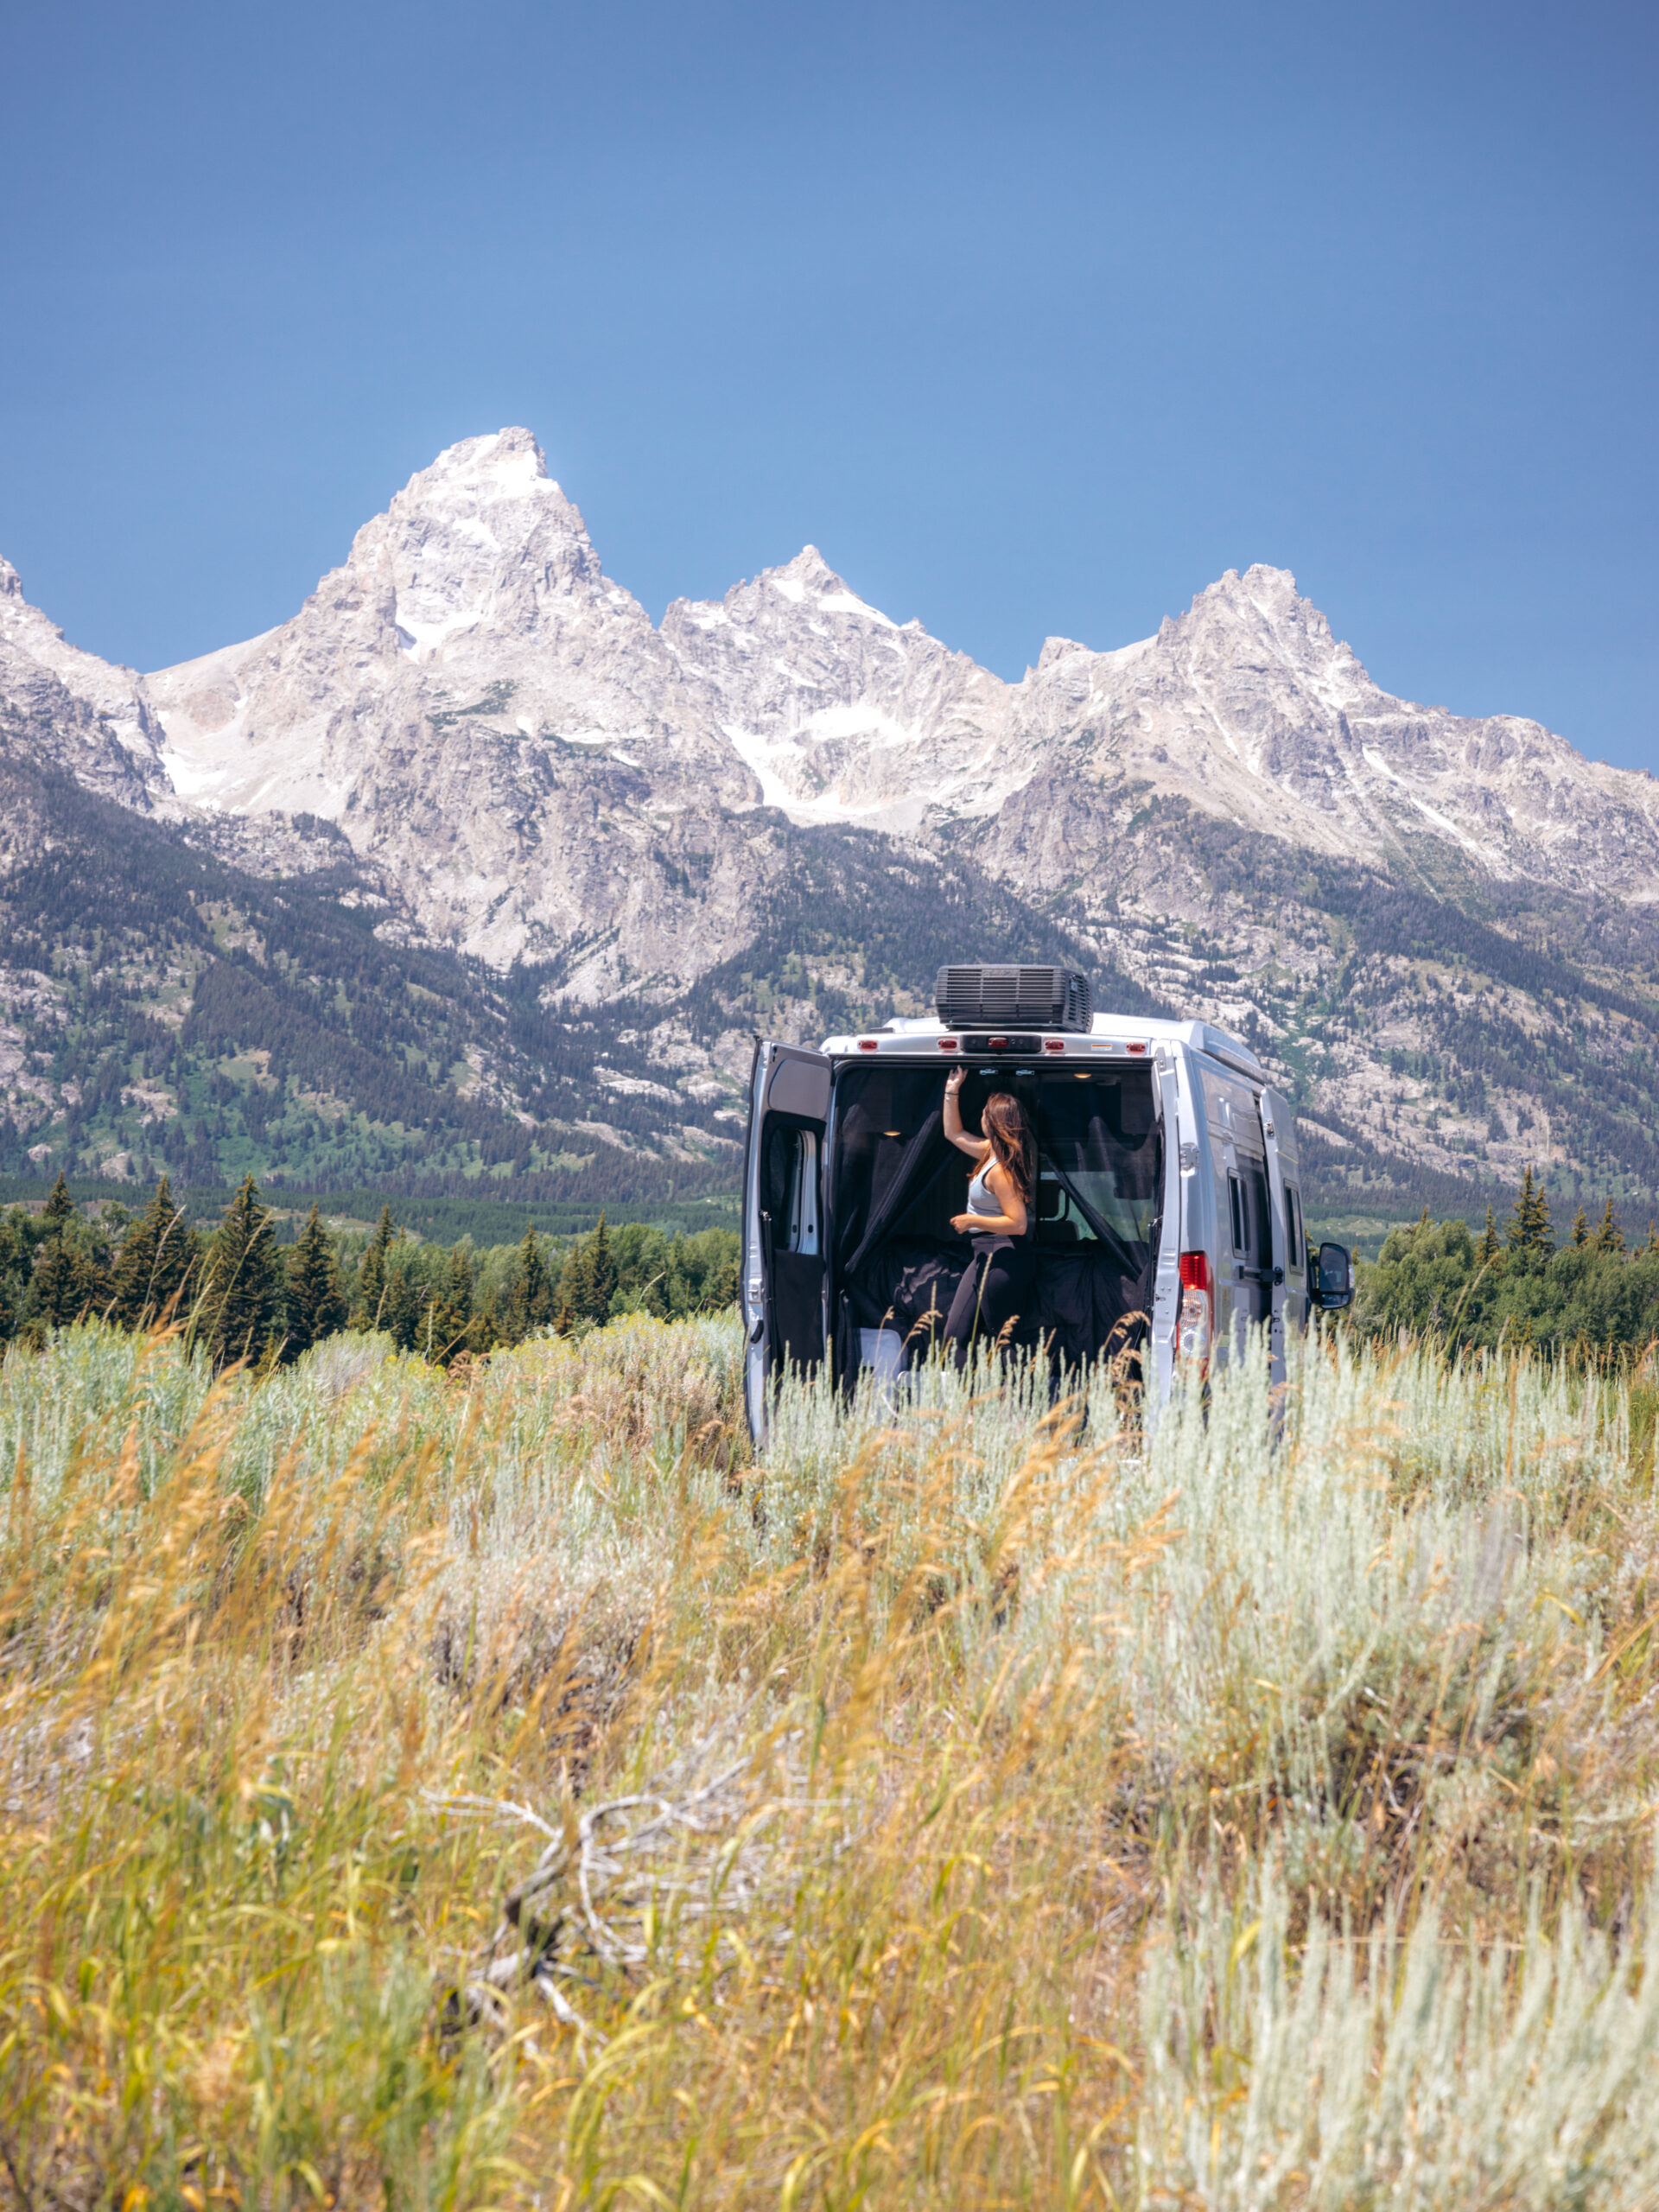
(502, 1789)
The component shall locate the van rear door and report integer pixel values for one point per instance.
(1167, 1281)
(781, 1287)
(1278, 1128)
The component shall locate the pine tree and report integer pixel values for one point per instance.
(315, 1303)
(1609, 1237)
(450, 1316)
(1489, 1245)
(243, 1299)
(69, 1279)
(57, 1284)
(538, 1282)
(1581, 1229)
(58, 1215)
(368, 1306)
(155, 1264)
(402, 1307)
(601, 1274)
(1529, 1222)
(575, 1292)
(531, 1305)
(485, 1334)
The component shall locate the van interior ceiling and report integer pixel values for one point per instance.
(894, 1181)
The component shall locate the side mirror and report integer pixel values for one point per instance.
(1330, 1278)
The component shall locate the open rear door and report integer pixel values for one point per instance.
(1277, 1123)
(1166, 1278)
(781, 1285)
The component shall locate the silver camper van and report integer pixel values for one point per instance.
(1169, 1214)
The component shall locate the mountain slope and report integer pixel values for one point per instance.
(162, 1008)
(1249, 709)
(496, 729)
(625, 844)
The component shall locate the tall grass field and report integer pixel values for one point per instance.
(505, 1789)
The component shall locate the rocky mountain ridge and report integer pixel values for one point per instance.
(483, 743)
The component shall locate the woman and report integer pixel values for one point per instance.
(998, 1290)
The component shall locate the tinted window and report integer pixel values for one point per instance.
(1235, 1200)
(783, 1147)
(1258, 1210)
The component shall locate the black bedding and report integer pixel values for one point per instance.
(1088, 1303)
(905, 1281)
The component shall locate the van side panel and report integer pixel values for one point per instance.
(1290, 1176)
(1244, 1255)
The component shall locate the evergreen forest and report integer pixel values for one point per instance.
(245, 1299)
(1592, 1292)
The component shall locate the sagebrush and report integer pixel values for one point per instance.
(506, 1787)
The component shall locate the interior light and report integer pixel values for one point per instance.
(1083, 1078)
(893, 1133)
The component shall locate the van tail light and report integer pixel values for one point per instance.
(866, 1044)
(1196, 1323)
(1053, 1044)
(947, 1043)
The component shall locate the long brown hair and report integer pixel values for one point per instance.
(1002, 1120)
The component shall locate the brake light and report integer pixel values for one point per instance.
(947, 1043)
(867, 1043)
(1053, 1044)
(1196, 1320)
(996, 1044)
(1134, 1048)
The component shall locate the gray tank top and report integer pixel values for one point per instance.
(981, 1197)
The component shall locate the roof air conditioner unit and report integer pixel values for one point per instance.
(1044, 997)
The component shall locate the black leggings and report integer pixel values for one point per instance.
(999, 1289)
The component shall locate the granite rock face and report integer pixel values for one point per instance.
(469, 725)
(1249, 709)
(842, 714)
(82, 714)
(534, 772)
(497, 729)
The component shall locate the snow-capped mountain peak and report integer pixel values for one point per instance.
(496, 724)
(108, 735)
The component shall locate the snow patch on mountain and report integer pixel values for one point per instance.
(507, 741)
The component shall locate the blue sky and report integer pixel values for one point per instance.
(1034, 318)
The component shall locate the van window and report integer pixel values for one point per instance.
(1235, 1200)
(1100, 1130)
(789, 1187)
(1293, 1225)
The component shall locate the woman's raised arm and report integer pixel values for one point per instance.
(976, 1148)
